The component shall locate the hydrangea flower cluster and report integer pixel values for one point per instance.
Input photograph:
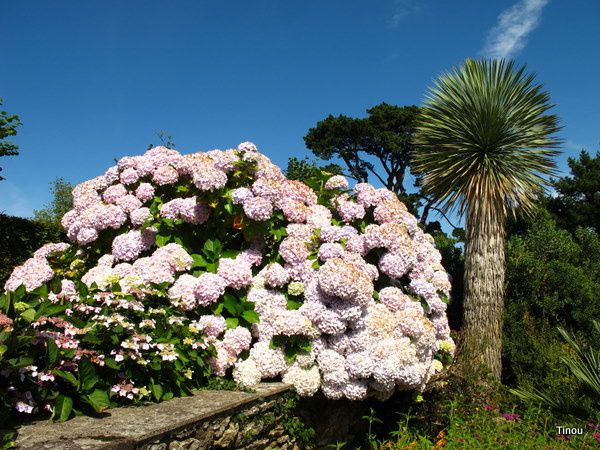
(335, 289)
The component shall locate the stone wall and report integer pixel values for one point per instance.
(207, 420)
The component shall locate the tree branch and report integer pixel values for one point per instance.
(430, 206)
(378, 176)
(445, 217)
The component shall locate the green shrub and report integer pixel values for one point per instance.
(19, 238)
(552, 281)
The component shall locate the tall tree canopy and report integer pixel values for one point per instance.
(61, 203)
(577, 203)
(379, 145)
(485, 146)
(8, 127)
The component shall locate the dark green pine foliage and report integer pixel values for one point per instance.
(578, 200)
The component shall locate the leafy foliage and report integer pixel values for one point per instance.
(482, 429)
(455, 413)
(61, 203)
(89, 375)
(8, 127)
(286, 407)
(303, 169)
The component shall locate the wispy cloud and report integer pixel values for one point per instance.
(402, 9)
(509, 35)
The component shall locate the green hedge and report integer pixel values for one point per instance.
(19, 238)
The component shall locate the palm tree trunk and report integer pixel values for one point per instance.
(483, 308)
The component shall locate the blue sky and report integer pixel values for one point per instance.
(96, 80)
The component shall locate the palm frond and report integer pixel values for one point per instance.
(484, 138)
(584, 364)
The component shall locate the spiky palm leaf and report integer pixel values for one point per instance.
(584, 364)
(484, 138)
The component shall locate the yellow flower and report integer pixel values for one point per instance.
(188, 341)
(188, 374)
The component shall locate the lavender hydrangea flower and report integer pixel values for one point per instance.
(182, 293)
(114, 193)
(139, 216)
(276, 275)
(165, 174)
(210, 179)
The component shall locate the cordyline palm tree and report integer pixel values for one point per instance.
(485, 146)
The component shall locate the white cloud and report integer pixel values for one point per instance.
(509, 35)
(403, 8)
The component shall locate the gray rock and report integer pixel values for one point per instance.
(228, 436)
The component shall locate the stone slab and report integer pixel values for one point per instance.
(131, 427)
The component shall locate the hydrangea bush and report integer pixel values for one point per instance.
(183, 266)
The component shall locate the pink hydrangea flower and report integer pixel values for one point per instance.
(139, 216)
(129, 176)
(211, 325)
(210, 179)
(209, 288)
(129, 203)
(240, 195)
(258, 208)
(128, 246)
(236, 273)
(165, 174)
(183, 291)
(114, 193)
(237, 340)
(247, 146)
(276, 275)
(145, 191)
(32, 274)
